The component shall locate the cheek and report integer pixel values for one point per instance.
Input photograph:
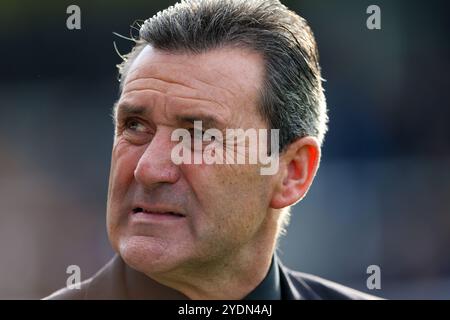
(123, 163)
(228, 194)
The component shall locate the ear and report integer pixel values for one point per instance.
(298, 166)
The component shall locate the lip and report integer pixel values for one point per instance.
(145, 213)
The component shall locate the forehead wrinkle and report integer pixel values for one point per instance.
(150, 83)
(140, 79)
(211, 84)
(163, 91)
(175, 104)
(175, 74)
(172, 98)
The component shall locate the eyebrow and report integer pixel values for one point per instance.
(208, 121)
(125, 109)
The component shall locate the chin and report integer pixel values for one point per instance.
(145, 254)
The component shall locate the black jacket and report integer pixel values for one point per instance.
(115, 279)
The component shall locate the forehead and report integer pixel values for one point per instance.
(224, 80)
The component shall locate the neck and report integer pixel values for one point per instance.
(231, 278)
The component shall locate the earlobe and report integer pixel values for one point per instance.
(301, 162)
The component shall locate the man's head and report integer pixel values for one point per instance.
(231, 64)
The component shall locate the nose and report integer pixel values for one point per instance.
(155, 165)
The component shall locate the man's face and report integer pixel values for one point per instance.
(221, 209)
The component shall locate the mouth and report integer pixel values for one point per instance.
(153, 212)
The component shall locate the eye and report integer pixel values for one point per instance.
(135, 131)
(135, 126)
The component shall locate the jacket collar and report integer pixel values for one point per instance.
(115, 279)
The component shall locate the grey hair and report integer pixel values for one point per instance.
(292, 97)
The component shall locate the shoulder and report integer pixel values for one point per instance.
(313, 287)
(107, 283)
